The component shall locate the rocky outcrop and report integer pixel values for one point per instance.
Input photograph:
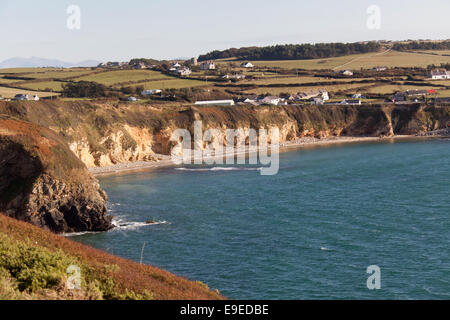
(42, 182)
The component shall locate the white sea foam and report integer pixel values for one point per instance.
(218, 169)
(75, 234)
(119, 224)
(125, 225)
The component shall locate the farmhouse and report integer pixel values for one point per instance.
(347, 73)
(140, 66)
(379, 68)
(273, 100)
(184, 72)
(25, 97)
(225, 103)
(247, 65)
(440, 74)
(208, 66)
(310, 95)
(150, 92)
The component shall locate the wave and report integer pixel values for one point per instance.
(119, 225)
(219, 169)
(124, 225)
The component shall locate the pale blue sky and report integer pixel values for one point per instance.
(120, 30)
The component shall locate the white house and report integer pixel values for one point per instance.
(184, 72)
(133, 99)
(150, 92)
(347, 73)
(247, 65)
(176, 65)
(35, 98)
(440, 74)
(208, 66)
(225, 103)
(273, 100)
(324, 95)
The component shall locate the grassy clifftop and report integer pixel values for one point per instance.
(33, 265)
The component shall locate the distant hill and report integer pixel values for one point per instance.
(35, 62)
(294, 51)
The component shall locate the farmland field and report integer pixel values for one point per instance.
(357, 61)
(44, 85)
(24, 70)
(10, 93)
(124, 76)
(170, 83)
(294, 90)
(59, 74)
(300, 80)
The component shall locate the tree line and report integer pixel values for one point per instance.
(422, 45)
(293, 52)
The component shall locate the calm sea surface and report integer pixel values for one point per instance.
(309, 232)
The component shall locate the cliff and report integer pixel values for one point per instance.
(46, 146)
(104, 134)
(42, 182)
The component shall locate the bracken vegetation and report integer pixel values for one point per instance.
(33, 265)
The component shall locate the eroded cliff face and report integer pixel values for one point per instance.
(42, 182)
(108, 134)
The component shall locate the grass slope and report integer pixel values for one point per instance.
(33, 265)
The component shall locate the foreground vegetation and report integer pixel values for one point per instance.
(33, 265)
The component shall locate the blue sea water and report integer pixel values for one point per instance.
(309, 232)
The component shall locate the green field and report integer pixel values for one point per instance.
(124, 76)
(60, 74)
(355, 62)
(24, 70)
(170, 83)
(53, 85)
(294, 90)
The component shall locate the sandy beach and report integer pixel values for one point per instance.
(308, 142)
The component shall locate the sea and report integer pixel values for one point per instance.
(345, 221)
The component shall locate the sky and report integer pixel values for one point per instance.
(113, 30)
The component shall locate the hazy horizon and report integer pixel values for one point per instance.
(119, 31)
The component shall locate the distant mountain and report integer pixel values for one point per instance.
(35, 62)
